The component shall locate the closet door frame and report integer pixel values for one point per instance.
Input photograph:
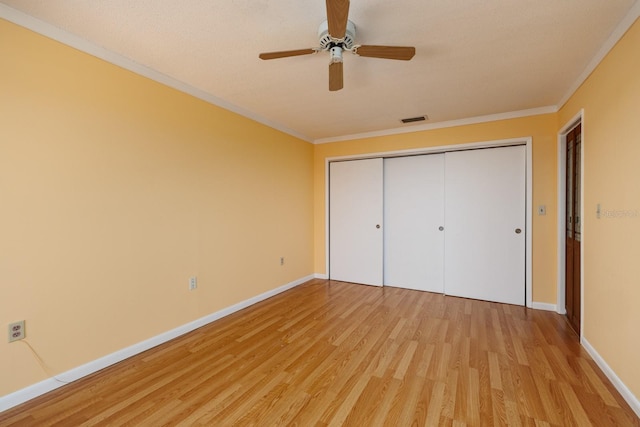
(526, 141)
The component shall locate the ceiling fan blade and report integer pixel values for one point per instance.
(337, 16)
(335, 76)
(403, 53)
(286, 53)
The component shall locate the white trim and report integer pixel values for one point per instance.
(614, 37)
(441, 149)
(432, 150)
(544, 306)
(446, 124)
(38, 389)
(69, 39)
(326, 218)
(320, 276)
(562, 213)
(529, 212)
(627, 395)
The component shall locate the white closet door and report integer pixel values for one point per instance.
(485, 224)
(413, 214)
(355, 221)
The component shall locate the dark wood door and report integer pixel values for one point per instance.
(573, 228)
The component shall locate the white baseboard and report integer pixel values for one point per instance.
(38, 389)
(617, 382)
(320, 276)
(544, 306)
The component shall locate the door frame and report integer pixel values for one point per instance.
(562, 183)
(526, 141)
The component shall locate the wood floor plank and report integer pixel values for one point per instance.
(326, 383)
(377, 396)
(454, 397)
(499, 410)
(335, 353)
(514, 418)
(248, 403)
(348, 402)
(486, 395)
(494, 371)
(597, 384)
(426, 354)
(411, 408)
(546, 398)
(578, 412)
(402, 367)
(528, 397)
(473, 404)
(394, 404)
(435, 405)
(441, 362)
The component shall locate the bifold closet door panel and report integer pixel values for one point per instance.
(485, 206)
(413, 215)
(355, 221)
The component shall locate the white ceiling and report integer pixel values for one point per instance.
(473, 57)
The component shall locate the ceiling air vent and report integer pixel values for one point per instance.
(414, 119)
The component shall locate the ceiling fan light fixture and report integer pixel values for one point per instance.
(336, 53)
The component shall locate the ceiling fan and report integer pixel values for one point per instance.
(337, 34)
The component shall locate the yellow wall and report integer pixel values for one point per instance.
(114, 190)
(542, 129)
(611, 247)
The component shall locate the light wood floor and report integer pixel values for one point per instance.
(331, 353)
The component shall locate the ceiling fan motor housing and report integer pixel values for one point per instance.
(328, 43)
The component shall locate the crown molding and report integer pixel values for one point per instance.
(620, 30)
(445, 124)
(69, 39)
(27, 21)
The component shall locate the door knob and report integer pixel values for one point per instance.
(377, 225)
(518, 231)
(441, 228)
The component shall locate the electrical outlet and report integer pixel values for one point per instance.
(16, 331)
(193, 283)
(281, 260)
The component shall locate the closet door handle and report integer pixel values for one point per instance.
(377, 225)
(441, 228)
(518, 231)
